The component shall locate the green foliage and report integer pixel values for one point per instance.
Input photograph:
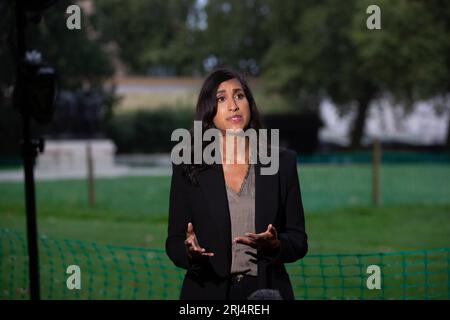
(236, 34)
(315, 56)
(328, 47)
(77, 55)
(306, 50)
(409, 57)
(6, 58)
(148, 33)
(147, 131)
(327, 50)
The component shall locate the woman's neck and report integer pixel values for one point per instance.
(235, 149)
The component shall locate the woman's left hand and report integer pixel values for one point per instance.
(267, 240)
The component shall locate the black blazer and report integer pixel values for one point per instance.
(277, 201)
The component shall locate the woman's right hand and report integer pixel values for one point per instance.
(194, 251)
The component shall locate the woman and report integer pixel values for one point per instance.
(231, 227)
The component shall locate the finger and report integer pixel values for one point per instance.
(208, 254)
(251, 254)
(195, 242)
(245, 240)
(190, 229)
(259, 236)
(253, 236)
(272, 229)
(198, 250)
(201, 252)
(196, 247)
(192, 244)
(274, 232)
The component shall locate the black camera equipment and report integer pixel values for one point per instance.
(34, 95)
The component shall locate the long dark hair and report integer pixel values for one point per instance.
(206, 110)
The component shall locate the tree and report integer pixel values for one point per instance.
(9, 118)
(329, 52)
(321, 61)
(235, 35)
(149, 34)
(77, 55)
(410, 59)
(6, 58)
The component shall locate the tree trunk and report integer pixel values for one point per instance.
(359, 123)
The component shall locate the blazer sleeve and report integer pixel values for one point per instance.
(293, 237)
(180, 214)
(179, 217)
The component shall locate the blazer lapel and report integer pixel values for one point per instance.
(212, 182)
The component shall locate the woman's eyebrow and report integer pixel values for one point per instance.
(234, 90)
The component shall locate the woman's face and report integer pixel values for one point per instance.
(233, 110)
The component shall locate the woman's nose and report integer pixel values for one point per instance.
(233, 105)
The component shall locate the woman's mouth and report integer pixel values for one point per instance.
(235, 119)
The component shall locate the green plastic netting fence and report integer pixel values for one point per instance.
(113, 272)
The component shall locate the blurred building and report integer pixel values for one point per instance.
(423, 126)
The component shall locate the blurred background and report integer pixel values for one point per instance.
(368, 112)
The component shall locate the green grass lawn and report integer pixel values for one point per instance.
(414, 213)
(132, 212)
(350, 230)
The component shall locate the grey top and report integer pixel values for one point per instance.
(242, 216)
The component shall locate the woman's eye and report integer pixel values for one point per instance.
(239, 96)
(220, 99)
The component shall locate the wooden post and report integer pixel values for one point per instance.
(90, 175)
(376, 159)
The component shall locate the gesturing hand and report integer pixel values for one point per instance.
(267, 240)
(194, 251)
